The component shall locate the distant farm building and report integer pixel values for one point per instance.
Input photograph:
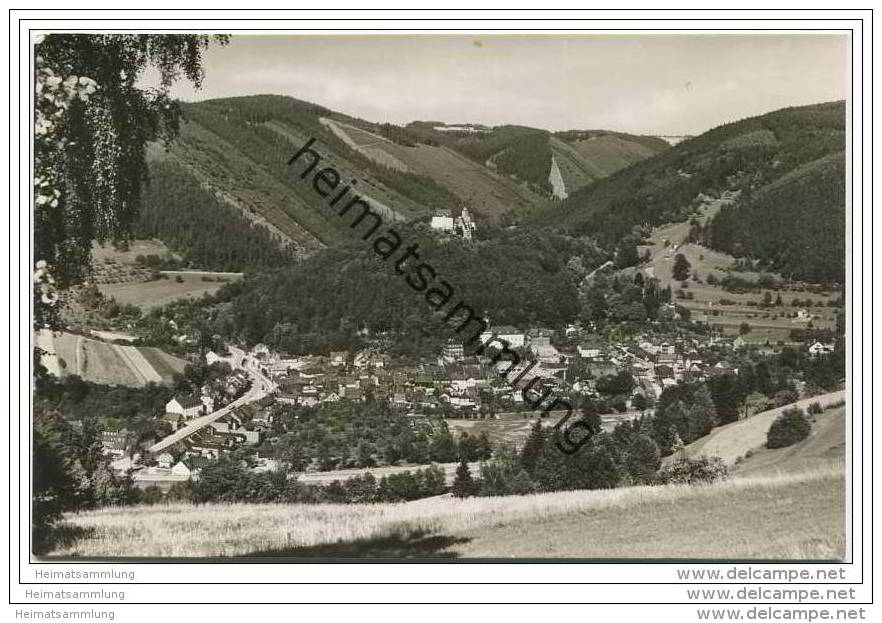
(462, 226)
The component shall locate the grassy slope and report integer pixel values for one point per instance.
(790, 516)
(782, 504)
(826, 444)
(736, 439)
(772, 518)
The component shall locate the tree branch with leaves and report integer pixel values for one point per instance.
(92, 122)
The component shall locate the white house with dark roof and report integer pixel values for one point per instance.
(187, 406)
(589, 351)
(515, 338)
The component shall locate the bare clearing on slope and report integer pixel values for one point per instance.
(593, 157)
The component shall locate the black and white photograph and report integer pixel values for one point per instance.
(440, 296)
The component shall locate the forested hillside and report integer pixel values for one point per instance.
(587, 156)
(208, 233)
(526, 153)
(514, 150)
(796, 224)
(785, 163)
(239, 148)
(236, 150)
(518, 278)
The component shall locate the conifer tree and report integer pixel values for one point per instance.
(533, 448)
(463, 483)
(702, 413)
(644, 459)
(681, 267)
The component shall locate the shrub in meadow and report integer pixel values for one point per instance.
(790, 427)
(699, 470)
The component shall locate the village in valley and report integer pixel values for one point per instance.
(249, 405)
(425, 333)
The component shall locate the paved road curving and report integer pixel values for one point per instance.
(260, 386)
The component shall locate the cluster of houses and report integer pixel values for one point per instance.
(233, 430)
(455, 384)
(182, 408)
(456, 380)
(657, 363)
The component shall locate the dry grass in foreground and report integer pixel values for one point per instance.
(793, 516)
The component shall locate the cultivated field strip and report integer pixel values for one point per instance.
(366, 143)
(383, 208)
(110, 364)
(165, 365)
(139, 366)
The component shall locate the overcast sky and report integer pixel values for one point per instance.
(647, 84)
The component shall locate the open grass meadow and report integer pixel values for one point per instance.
(733, 441)
(782, 516)
(150, 294)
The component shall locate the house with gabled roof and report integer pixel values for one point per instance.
(187, 406)
(515, 338)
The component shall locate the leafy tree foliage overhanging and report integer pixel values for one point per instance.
(92, 124)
